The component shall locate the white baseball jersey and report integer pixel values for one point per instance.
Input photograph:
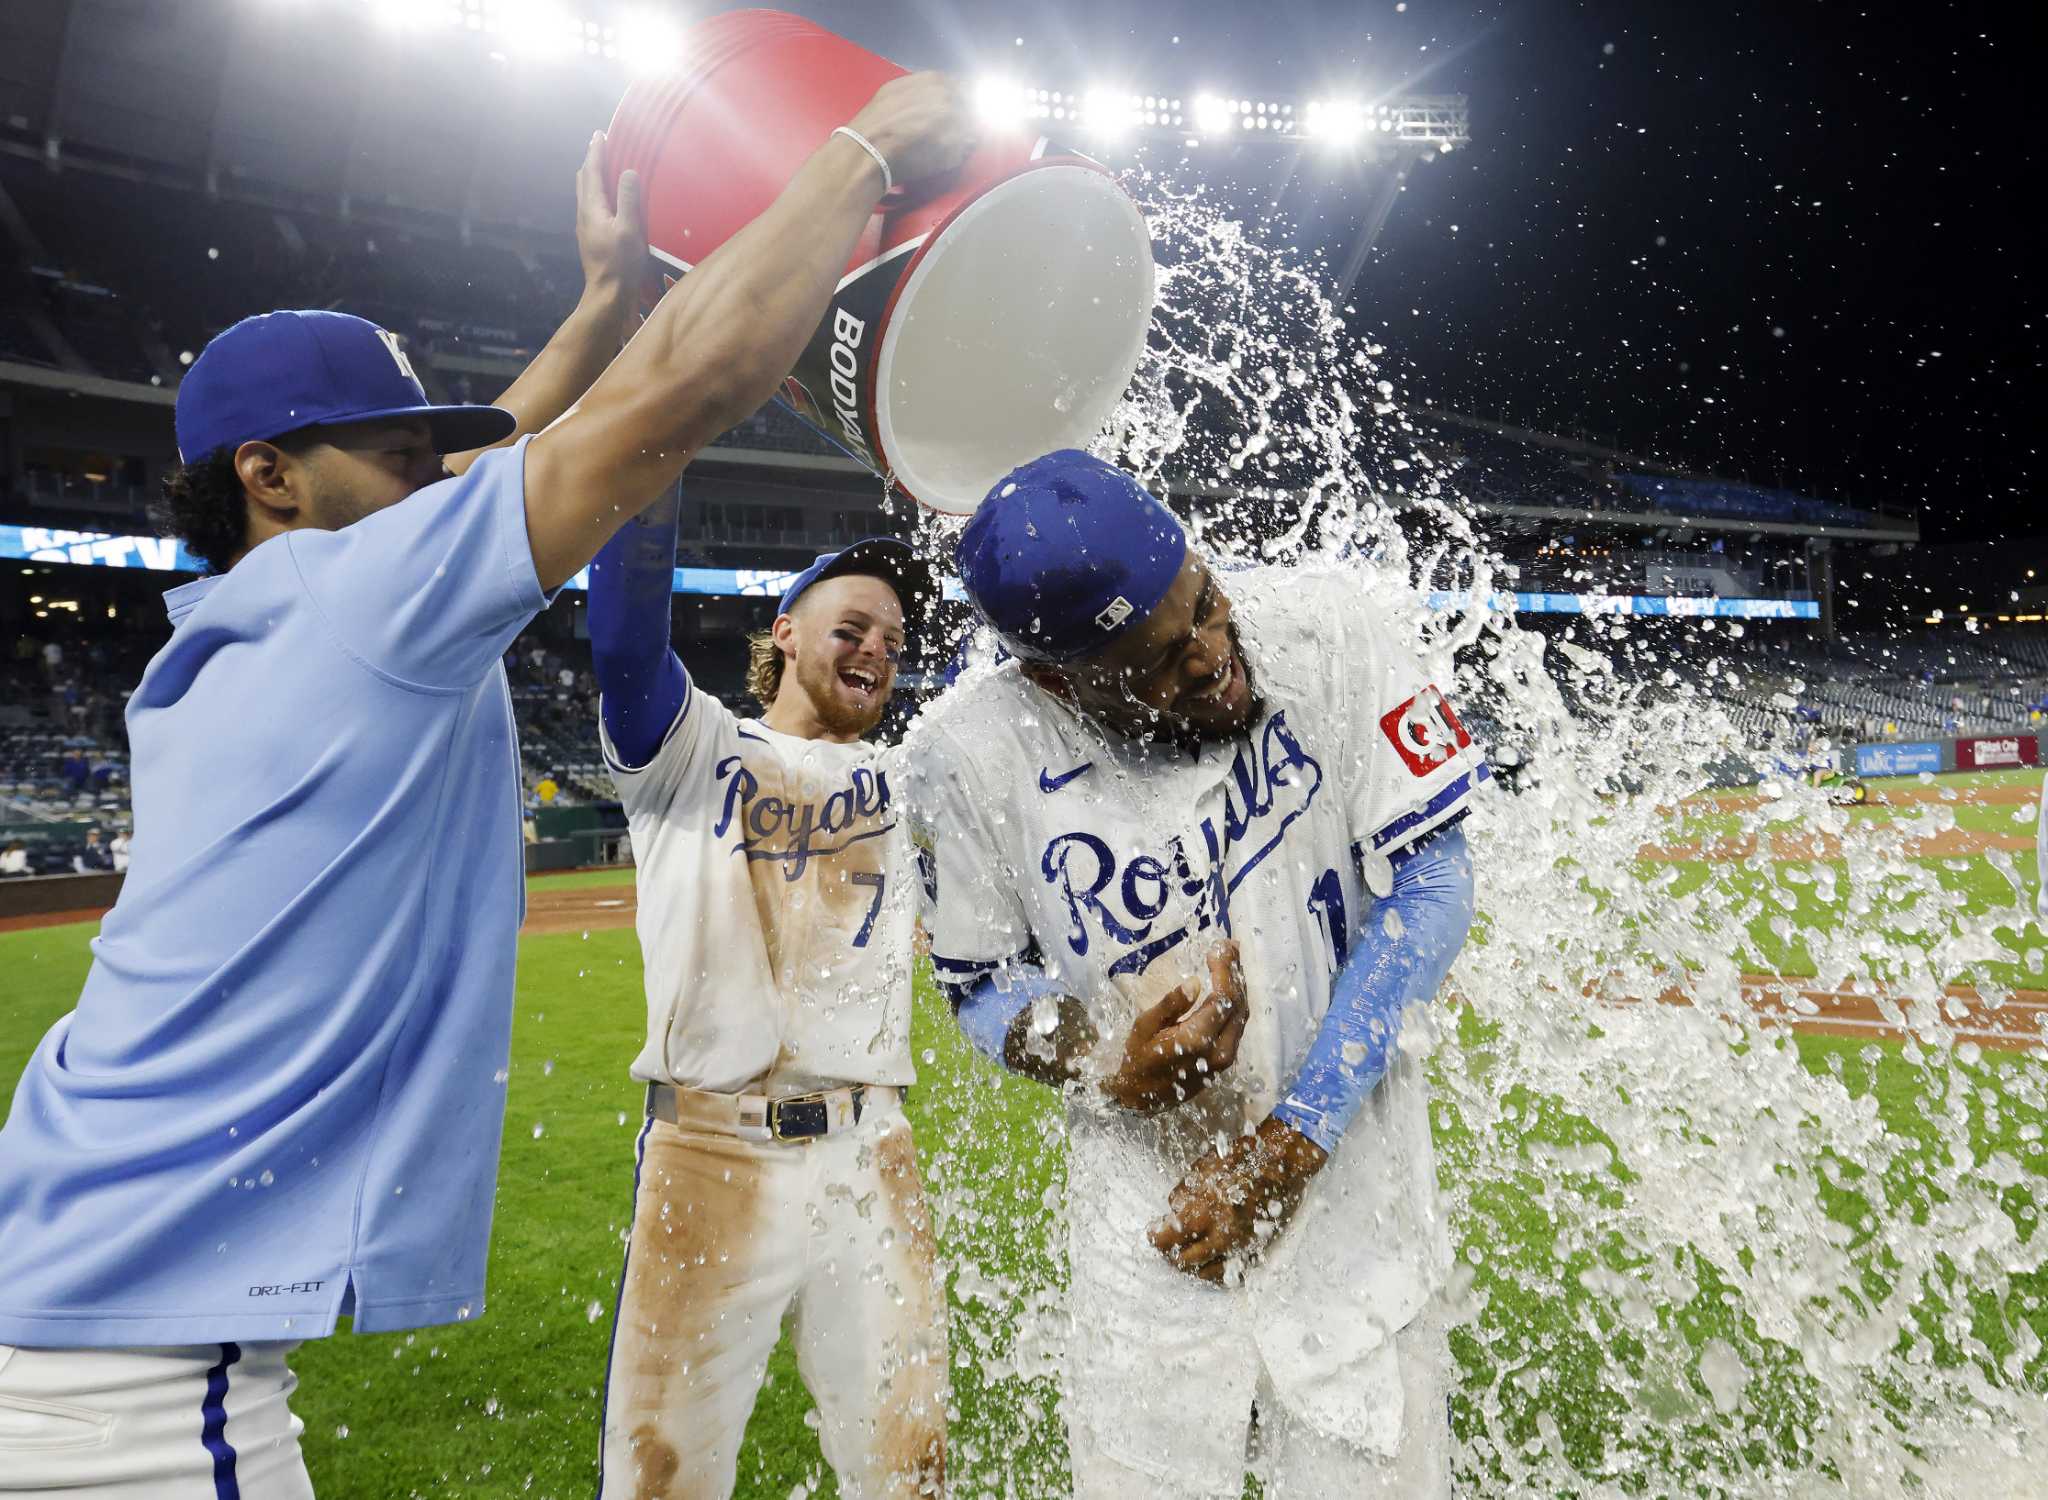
(774, 928)
(2041, 856)
(1115, 866)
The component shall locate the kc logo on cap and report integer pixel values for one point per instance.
(283, 371)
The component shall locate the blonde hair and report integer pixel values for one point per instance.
(765, 664)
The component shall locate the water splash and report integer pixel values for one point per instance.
(1698, 1259)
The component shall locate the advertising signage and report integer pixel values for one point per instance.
(1989, 752)
(1898, 760)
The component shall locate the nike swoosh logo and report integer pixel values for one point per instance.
(1047, 782)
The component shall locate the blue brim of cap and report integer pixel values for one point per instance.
(453, 429)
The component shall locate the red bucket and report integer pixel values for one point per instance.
(983, 320)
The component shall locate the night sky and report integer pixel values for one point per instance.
(1781, 240)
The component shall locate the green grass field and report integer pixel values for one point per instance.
(509, 1405)
(1796, 901)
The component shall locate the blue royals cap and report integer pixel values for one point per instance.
(1067, 553)
(878, 557)
(280, 371)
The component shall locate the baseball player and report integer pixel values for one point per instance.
(776, 1168)
(2041, 856)
(280, 1098)
(1191, 854)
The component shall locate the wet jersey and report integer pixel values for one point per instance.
(1115, 866)
(774, 928)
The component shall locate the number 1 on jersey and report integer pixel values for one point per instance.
(1326, 900)
(878, 880)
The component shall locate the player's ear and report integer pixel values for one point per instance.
(1052, 679)
(783, 631)
(267, 481)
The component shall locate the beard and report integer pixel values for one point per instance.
(820, 682)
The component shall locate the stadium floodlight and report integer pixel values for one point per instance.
(1212, 114)
(648, 41)
(1110, 112)
(1002, 101)
(1338, 122)
(535, 29)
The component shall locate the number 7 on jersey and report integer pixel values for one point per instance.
(878, 880)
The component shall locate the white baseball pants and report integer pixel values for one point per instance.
(201, 1422)
(1292, 1459)
(728, 1235)
(1163, 1373)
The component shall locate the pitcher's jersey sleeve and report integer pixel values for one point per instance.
(970, 897)
(702, 734)
(1410, 764)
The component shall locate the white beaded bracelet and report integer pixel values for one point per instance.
(888, 177)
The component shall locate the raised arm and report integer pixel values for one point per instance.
(722, 339)
(613, 248)
(642, 686)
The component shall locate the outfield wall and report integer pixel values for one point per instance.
(41, 895)
(1983, 752)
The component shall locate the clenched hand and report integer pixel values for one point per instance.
(1231, 1201)
(1178, 1046)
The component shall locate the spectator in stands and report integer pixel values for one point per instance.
(547, 789)
(118, 850)
(75, 769)
(95, 857)
(53, 658)
(14, 859)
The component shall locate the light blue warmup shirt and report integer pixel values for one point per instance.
(280, 1097)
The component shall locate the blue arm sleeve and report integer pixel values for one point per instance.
(987, 1008)
(1400, 953)
(641, 682)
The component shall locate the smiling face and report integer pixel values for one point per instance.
(1179, 671)
(843, 642)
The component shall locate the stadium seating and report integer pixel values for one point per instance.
(131, 306)
(1922, 685)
